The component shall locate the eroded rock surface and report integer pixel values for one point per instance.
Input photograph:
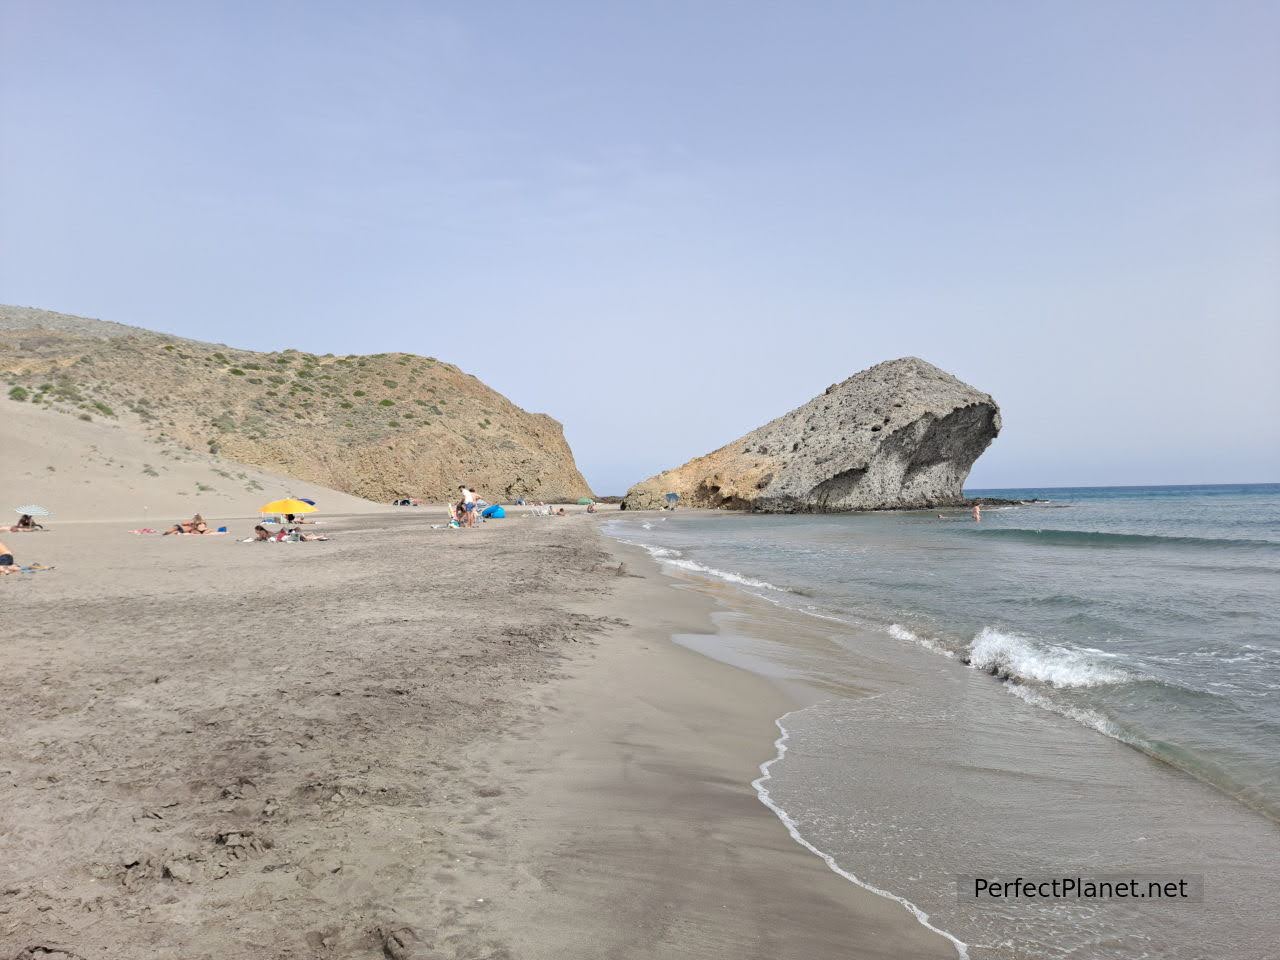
(901, 434)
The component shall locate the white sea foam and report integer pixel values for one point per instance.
(899, 632)
(962, 949)
(674, 558)
(1028, 659)
(1089, 718)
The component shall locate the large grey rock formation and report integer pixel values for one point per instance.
(902, 434)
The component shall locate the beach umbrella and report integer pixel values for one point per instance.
(288, 505)
(583, 501)
(672, 497)
(32, 510)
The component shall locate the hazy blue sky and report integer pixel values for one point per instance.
(667, 222)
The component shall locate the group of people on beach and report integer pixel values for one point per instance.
(466, 511)
(288, 529)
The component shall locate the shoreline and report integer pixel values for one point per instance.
(662, 788)
(906, 744)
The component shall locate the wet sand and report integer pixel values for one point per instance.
(404, 742)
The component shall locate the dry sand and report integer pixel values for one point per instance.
(100, 470)
(404, 742)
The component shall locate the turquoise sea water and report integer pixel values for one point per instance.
(1149, 613)
(1117, 625)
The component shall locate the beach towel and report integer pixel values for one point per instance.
(142, 530)
(33, 568)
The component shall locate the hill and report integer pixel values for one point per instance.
(377, 427)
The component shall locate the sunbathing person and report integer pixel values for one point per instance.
(195, 525)
(289, 518)
(7, 563)
(26, 524)
(297, 536)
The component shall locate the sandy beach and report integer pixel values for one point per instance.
(403, 742)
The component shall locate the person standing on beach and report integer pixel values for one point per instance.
(468, 503)
(977, 513)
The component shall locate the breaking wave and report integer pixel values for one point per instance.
(1024, 659)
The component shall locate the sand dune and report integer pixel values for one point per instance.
(98, 470)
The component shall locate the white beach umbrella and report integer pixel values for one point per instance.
(32, 510)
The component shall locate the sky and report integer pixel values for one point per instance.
(665, 223)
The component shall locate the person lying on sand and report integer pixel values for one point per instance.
(297, 536)
(262, 535)
(26, 524)
(290, 519)
(7, 564)
(195, 525)
(187, 526)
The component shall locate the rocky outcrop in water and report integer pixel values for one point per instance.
(903, 434)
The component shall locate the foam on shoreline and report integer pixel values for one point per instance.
(780, 745)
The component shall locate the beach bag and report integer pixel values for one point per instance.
(494, 512)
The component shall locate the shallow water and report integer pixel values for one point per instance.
(1129, 624)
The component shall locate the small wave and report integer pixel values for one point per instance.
(1098, 538)
(674, 558)
(899, 632)
(780, 745)
(1090, 718)
(1026, 659)
(726, 575)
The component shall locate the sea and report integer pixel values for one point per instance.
(1086, 683)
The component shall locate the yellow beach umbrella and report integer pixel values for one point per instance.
(288, 505)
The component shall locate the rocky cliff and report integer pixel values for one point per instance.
(380, 426)
(902, 434)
